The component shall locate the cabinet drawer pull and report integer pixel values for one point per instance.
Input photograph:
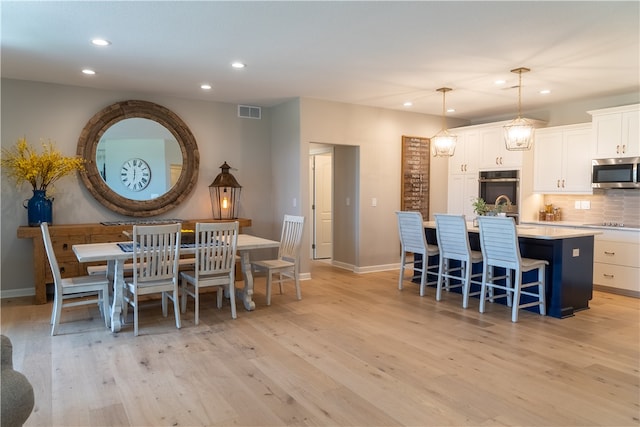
(65, 246)
(609, 253)
(608, 276)
(563, 183)
(624, 148)
(617, 149)
(558, 184)
(465, 168)
(461, 168)
(497, 163)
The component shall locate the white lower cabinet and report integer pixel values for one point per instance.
(463, 189)
(617, 261)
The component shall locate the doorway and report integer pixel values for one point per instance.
(321, 167)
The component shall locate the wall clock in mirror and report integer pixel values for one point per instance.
(135, 174)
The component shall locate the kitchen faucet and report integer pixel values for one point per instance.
(503, 197)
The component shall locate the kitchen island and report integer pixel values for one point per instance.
(569, 251)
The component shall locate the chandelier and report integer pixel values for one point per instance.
(443, 144)
(518, 134)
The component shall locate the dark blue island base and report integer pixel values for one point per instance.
(569, 275)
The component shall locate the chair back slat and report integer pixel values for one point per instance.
(411, 231)
(51, 255)
(216, 245)
(453, 240)
(499, 241)
(291, 238)
(157, 250)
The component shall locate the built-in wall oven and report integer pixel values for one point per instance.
(501, 187)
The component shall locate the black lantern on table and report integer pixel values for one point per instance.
(225, 194)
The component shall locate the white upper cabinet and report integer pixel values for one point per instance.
(494, 152)
(562, 159)
(463, 173)
(616, 131)
(466, 156)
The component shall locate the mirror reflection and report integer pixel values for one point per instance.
(139, 159)
(142, 181)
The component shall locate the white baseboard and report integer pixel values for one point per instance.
(377, 268)
(342, 265)
(17, 293)
(305, 276)
(367, 269)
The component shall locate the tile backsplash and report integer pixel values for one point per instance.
(605, 205)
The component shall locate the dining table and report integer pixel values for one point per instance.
(116, 257)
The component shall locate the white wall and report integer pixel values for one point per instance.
(38, 110)
(378, 133)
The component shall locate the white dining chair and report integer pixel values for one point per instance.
(74, 291)
(156, 251)
(215, 262)
(453, 241)
(413, 240)
(500, 248)
(287, 264)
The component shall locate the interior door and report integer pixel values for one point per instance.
(323, 207)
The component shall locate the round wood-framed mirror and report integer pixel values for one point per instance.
(94, 180)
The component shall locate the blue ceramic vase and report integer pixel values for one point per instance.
(39, 208)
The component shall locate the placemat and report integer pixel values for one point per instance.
(128, 247)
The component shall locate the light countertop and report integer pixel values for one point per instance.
(631, 228)
(535, 231)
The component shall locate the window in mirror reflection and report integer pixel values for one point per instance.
(127, 142)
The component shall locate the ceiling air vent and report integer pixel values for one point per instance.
(249, 112)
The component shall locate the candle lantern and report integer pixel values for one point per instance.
(225, 194)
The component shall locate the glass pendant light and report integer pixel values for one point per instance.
(443, 144)
(518, 135)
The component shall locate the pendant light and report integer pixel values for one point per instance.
(443, 144)
(518, 135)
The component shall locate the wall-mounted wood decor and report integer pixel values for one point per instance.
(415, 175)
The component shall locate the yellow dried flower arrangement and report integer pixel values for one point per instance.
(22, 163)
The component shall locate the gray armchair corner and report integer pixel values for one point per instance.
(16, 392)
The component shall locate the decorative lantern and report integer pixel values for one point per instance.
(225, 194)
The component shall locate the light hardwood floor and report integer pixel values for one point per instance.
(355, 351)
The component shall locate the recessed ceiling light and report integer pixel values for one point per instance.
(238, 65)
(88, 72)
(205, 86)
(451, 110)
(545, 92)
(101, 42)
(408, 104)
(500, 82)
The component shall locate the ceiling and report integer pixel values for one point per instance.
(378, 54)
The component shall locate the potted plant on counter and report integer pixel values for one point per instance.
(480, 208)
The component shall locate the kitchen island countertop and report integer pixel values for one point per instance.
(534, 231)
(592, 226)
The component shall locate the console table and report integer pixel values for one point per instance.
(64, 236)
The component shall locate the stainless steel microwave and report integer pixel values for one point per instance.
(615, 173)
